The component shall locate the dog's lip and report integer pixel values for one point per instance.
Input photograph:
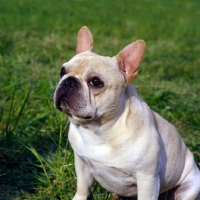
(57, 103)
(70, 112)
(87, 117)
(83, 118)
(59, 106)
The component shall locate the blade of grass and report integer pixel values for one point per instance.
(22, 107)
(2, 110)
(41, 160)
(60, 139)
(10, 109)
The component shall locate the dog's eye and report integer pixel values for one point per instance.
(62, 72)
(96, 82)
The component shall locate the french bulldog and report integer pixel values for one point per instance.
(117, 139)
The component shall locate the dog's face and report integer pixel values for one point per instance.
(90, 86)
(93, 86)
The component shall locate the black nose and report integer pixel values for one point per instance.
(71, 82)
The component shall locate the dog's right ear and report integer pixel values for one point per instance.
(84, 40)
(129, 59)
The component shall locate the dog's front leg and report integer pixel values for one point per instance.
(84, 179)
(148, 186)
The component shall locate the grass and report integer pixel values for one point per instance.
(36, 37)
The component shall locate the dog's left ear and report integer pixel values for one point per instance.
(84, 40)
(129, 59)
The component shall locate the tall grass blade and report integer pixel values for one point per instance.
(41, 160)
(22, 107)
(60, 139)
(10, 110)
(2, 110)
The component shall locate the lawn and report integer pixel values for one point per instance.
(36, 37)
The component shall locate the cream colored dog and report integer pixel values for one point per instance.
(117, 139)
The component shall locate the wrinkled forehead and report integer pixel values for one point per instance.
(89, 60)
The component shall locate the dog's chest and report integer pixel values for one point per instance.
(113, 179)
(112, 168)
(98, 149)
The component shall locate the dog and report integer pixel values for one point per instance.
(117, 139)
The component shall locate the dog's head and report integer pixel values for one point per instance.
(93, 86)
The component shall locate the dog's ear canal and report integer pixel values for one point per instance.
(129, 59)
(84, 40)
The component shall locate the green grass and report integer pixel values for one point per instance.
(36, 37)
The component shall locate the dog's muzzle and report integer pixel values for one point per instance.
(69, 95)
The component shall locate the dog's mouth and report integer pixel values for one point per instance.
(62, 105)
(83, 118)
(86, 118)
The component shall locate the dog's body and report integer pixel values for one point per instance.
(117, 139)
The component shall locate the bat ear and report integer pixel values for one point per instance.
(84, 40)
(129, 59)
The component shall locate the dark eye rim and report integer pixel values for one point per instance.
(62, 71)
(100, 85)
